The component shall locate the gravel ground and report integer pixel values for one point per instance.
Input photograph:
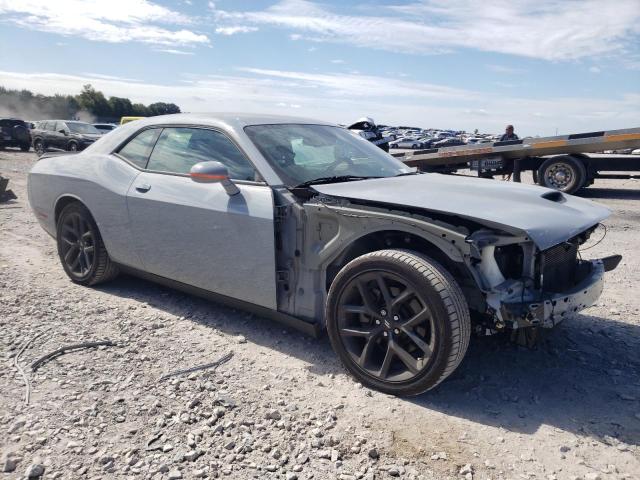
(282, 407)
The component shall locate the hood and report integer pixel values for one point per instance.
(546, 216)
(88, 136)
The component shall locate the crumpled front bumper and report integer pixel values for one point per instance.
(555, 307)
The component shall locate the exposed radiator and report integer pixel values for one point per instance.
(559, 267)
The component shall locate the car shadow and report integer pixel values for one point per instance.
(610, 193)
(583, 377)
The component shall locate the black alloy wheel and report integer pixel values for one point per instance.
(80, 247)
(386, 326)
(398, 321)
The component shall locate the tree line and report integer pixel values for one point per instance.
(29, 106)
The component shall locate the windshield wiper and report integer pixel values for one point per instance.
(334, 179)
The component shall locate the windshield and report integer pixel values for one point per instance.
(79, 127)
(303, 153)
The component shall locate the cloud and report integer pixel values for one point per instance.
(174, 51)
(110, 77)
(338, 61)
(235, 29)
(341, 98)
(117, 21)
(544, 29)
(288, 105)
(476, 112)
(594, 69)
(350, 85)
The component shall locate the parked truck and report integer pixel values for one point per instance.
(566, 163)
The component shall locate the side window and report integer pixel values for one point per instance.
(48, 125)
(179, 149)
(138, 149)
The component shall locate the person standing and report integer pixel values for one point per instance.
(509, 135)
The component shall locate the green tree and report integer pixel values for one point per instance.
(30, 106)
(94, 101)
(139, 110)
(120, 107)
(161, 108)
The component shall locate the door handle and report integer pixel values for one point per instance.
(143, 187)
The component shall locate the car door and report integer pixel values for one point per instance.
(57, 139)
(46, 131)
(196, 233)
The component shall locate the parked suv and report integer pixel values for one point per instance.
(14, 133)
(63, 135)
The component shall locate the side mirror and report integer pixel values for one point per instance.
(64, 132)
(213, 172)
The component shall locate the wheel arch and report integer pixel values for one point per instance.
(392, 239)
(64, 200)
(581, 157)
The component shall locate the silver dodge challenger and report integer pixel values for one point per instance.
(307, 223)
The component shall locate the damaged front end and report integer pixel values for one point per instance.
(528, 287)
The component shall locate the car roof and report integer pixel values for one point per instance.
(232, 119)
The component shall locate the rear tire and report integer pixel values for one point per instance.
(398, 321)
(563, 173)
(80, 247)
(72, 147)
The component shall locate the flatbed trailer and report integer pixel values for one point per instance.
(565, 162)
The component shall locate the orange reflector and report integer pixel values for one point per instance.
(622, 136)
(550, 144)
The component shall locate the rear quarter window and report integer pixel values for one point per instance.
(138, 149)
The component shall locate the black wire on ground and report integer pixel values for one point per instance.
(601, 239)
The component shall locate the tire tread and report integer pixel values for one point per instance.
(450, 294)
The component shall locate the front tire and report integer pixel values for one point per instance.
(38, 147)
(72, 147)
(398, 321)
(80, 247)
